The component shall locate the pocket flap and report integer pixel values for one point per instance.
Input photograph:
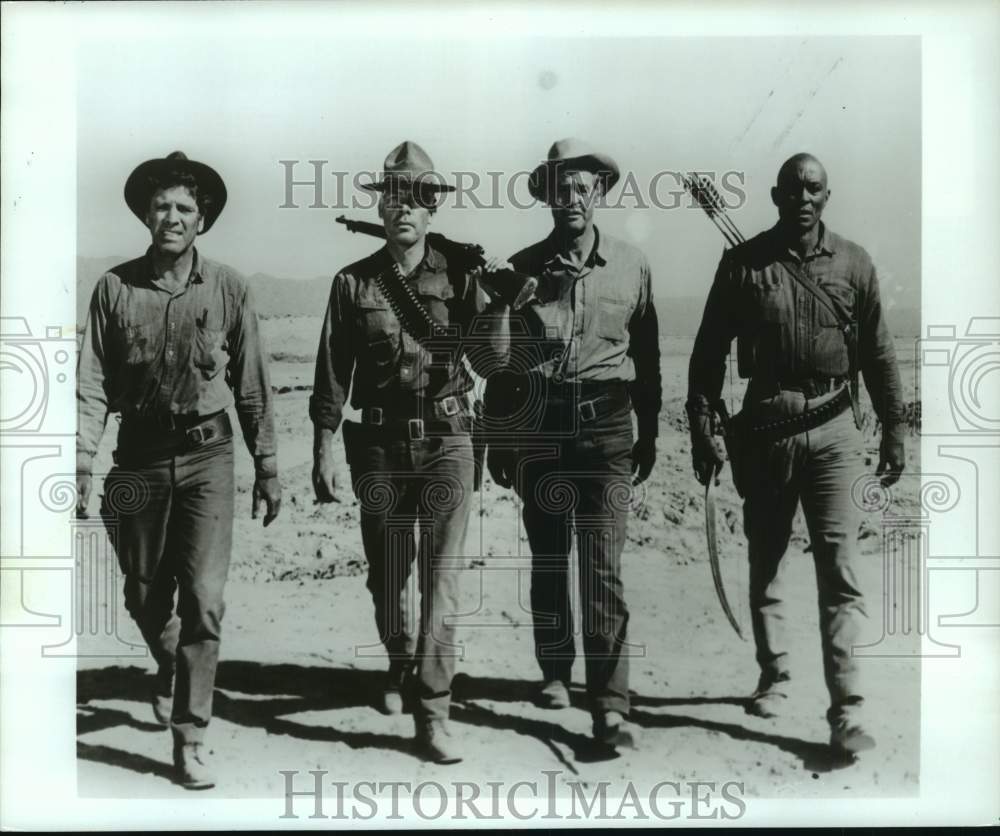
(437, 286)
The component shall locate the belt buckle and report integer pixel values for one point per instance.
(375, 414)
(587, 411)
(415, 426)
(450, 406)
(199, 435)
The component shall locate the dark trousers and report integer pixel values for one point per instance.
(817, 468)
(415, 499)
(171, 522)
(580, 485)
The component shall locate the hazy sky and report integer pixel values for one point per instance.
(242, 102)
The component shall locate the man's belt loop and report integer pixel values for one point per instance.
(415, 427)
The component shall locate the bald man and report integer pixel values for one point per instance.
(802, 442)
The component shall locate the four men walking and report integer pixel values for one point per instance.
(172, 342)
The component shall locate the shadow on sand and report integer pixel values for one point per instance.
(275, 691)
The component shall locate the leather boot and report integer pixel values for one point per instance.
(847, 733)
(612, 729)
(769, 700)
(191, 770)
(162, 696)
(554, 695)
(435, 743)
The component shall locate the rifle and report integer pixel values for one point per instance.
(508, 286)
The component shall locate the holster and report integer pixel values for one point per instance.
(349, 432)
(734, 436)
(478, 444)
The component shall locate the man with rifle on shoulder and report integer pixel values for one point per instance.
(399, 328)
(804, 305)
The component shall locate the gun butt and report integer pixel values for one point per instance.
(508, 286)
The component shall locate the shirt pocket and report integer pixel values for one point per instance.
(383, 352)
(374, 317)
(435, 293)
(612, 318)
(138, 343)
(210, 355)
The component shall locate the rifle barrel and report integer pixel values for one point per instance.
(513, 287)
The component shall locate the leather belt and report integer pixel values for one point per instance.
(436, 417)
(148, 437)
(596, 408)
(592, 399)
(809, 420)
(813, 387)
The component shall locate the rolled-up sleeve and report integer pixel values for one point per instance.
(92, 396)
(646, 390)
(335, 360)
(252, 387)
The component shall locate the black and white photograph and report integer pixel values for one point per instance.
(442, 416)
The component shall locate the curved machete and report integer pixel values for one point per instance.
(713, 556)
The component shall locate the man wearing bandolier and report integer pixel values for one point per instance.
(804, 304)
(398, 323)
(562, 418)
(170, 339)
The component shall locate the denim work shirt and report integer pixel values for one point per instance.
(149, 352)
(784, 334)
(593, 323)
(363, 339)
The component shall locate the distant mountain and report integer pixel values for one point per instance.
(679, 317)
(273, 297)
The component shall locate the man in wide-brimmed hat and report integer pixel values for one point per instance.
(398, 328)
(171, 343)
(571, 456)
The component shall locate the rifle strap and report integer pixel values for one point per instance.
(844, 324)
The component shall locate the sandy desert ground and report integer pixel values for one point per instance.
(301, 660)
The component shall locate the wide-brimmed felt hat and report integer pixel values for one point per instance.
(572, 154)
(408, 166)
(142, 181)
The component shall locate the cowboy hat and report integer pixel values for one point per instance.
(142, 182)
(572, 154)
(408, 164)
